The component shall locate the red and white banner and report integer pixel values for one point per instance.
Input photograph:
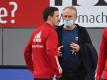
(22, 13)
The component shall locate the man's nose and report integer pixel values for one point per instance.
(59, 20)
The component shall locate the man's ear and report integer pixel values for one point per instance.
(75, 18)
(49, 17)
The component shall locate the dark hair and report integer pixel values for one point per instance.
(49, 11)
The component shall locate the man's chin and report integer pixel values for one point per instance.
(68, 26)
(57, 24)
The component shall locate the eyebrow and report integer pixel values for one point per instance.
(67, 15)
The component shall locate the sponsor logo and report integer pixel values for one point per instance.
(37, 38)
(37, 46)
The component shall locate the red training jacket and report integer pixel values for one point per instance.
(102, 61)
(41, 53)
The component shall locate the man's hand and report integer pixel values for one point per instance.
(75, 47)
(59, 51)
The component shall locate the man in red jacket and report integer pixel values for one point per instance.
(41, 52)
(101, 73)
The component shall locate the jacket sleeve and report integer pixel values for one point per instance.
(88, 54)
(102, 54)
(52, 44)
(84, 36)
(28, 55)
(52, 52)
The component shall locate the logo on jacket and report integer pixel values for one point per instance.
(37, 38)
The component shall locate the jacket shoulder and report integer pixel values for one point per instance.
(59, 27)
(105, 30)
(80, 27)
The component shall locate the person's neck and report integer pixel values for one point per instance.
(69, 28)
(50, 23)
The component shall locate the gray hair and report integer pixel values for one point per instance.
(72, 8)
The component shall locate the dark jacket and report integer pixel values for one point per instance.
(87, 51)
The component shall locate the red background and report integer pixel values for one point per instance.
(28, 14)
